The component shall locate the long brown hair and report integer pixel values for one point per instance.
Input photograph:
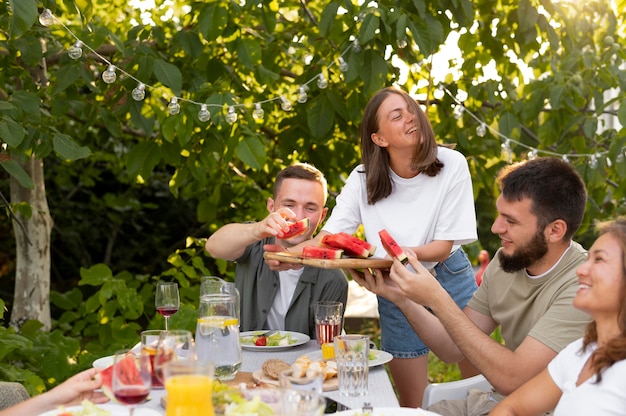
(614, 350)
(375, 159)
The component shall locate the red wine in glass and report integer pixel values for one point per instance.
(167, 310)
(166, 300)
(131, 395)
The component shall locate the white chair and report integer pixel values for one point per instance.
(453, 389)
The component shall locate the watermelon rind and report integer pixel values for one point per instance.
(392, 247)
(370, 247)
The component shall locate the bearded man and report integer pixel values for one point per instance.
(527, 292)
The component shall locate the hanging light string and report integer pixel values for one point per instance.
(533, 152)
(47, 18)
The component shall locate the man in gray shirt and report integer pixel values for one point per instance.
(281, 300)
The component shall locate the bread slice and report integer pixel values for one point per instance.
(273, 367)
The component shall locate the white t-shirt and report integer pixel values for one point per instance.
(418, 210)
(288, 282)
(603, 399)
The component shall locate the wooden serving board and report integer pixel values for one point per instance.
(260, 377)
(345, 263)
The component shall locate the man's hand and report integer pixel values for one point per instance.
(275, 224)
(277, 265)
(418, 286)
(377, 281)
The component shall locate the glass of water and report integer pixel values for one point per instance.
(352, 356)
(217, 334)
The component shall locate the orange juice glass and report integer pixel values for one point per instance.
(189, 387)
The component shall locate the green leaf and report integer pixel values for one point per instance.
(11, 132)
(67, 148)
(23, 16)
(65, 76)
(168, 75)
(142, 159)
(321, 118)
(95, 275)
(15, 170)
(368, 28)
(621, 112)
(329, 15)
(251, 152)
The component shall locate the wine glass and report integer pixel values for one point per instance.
(132, 379)
(172, 345)
(167, 300)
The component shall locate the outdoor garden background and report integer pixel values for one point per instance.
(104, 191)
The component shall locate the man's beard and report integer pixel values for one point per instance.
(525, 256)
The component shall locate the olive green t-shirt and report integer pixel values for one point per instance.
(538, 307)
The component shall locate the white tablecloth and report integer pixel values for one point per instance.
(380, 393)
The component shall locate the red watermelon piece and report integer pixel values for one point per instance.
(393, 249)
(128, 370)
(297, 228)
(346, 244)
(317, 252)
(371, 248)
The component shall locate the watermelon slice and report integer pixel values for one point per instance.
(392, 248)
(317, 252)
(346, 244)
(128, 371)
(297, 228)
(362, 243)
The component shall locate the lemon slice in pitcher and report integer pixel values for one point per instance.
(218, 321)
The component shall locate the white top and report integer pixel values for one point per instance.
(288, 282)
(603, 399)
(418, 210)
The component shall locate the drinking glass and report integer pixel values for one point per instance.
(328, 317)
(302, 403)
(352, 356)
(213, 285)
(217, 334)
(149, 344)
(167, 300)
(189, 386)
(172, 345)
(131, 379)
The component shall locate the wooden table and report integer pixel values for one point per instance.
(381, 393)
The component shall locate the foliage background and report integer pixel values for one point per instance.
(133, 190)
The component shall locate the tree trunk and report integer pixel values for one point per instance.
(32, 275)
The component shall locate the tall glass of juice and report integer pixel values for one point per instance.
(189, 386)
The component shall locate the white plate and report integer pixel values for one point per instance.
(103, 362)
(114, 409)
(389, 411)
(380, 357)
(299, 337)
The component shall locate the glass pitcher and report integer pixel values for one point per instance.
(217, 334)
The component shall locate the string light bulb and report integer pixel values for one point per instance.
(139, 92)
(593, 161)
(402, 43)
(258, 112)
(532, 154)
(109, 75)
(458, 111)
(231, 116)
(343, 65)
(481, 130)
(356, 47)
(46, 18)
(204, 114)
(173, 107)
(76, 50)
(302, 95)
(322, 82)
(285, 104)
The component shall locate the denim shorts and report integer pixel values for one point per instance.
(456, 275)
